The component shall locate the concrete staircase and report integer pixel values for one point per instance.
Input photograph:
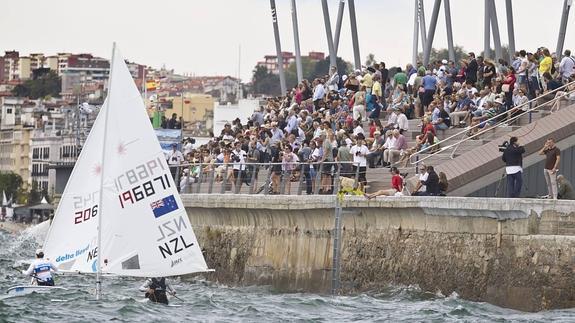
(380, 178)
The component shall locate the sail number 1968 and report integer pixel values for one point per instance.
(144, 190)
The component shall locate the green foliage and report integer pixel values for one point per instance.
(504, 52)
(48, 84)
(11, 183)
(322, 67)
(34, 197)
(264, 82)
(308, 68)
(443, 53)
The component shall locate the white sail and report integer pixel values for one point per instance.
(145, 229)
(71, 241)
(4, 200)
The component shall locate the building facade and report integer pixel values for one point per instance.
(270, 62)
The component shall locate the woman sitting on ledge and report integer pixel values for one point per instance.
(396, 184)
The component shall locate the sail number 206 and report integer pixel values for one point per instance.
(85, 215)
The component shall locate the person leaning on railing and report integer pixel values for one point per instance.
(568, 94)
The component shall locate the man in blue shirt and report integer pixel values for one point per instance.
(429, 83)
(462, 108)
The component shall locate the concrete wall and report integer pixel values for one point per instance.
(513, 253)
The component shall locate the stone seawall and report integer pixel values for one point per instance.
(513, 253)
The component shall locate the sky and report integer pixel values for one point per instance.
(228, 37)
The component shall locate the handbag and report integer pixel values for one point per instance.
(505, 88)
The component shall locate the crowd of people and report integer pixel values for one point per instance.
(350, 122)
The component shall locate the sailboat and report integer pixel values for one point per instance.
(120, 213)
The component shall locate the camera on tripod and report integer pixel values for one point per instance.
(503, 146)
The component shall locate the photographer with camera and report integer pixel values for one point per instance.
(359, 152)
(513, 158)
(175, 158)
(238, 158)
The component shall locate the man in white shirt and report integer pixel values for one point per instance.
(292, 122)
(238, 158)
(522, 70)
(333, 82)
(391, 120)
(318, 92)
(277, 134)
(359, 152)
(175, 158)
(188, 146)
(358, 129)
(401, 123)
(567, 66)
(389, 144)
(420, 188)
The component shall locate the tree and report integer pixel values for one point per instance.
(308, 67)
(264, 82)
(34, 197)
(21, 90)
(504, 52)
(321, 68)
(44, 194)
(370, 59)
(46, 84)
(443, 53)
(11, 184)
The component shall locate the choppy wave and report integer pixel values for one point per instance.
(206, 301)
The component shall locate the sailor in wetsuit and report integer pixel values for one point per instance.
(156, 288)
(41, 269)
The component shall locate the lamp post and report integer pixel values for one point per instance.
(182, 116)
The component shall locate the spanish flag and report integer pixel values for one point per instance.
(151, 85)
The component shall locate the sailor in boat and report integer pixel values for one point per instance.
(156, 289)
(41, 270)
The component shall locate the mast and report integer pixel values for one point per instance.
(101, 195)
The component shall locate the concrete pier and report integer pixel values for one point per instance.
(513, 253)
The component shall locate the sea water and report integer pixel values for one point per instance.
(206, 301)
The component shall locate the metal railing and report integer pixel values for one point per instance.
(265, 178)
(496, 125)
